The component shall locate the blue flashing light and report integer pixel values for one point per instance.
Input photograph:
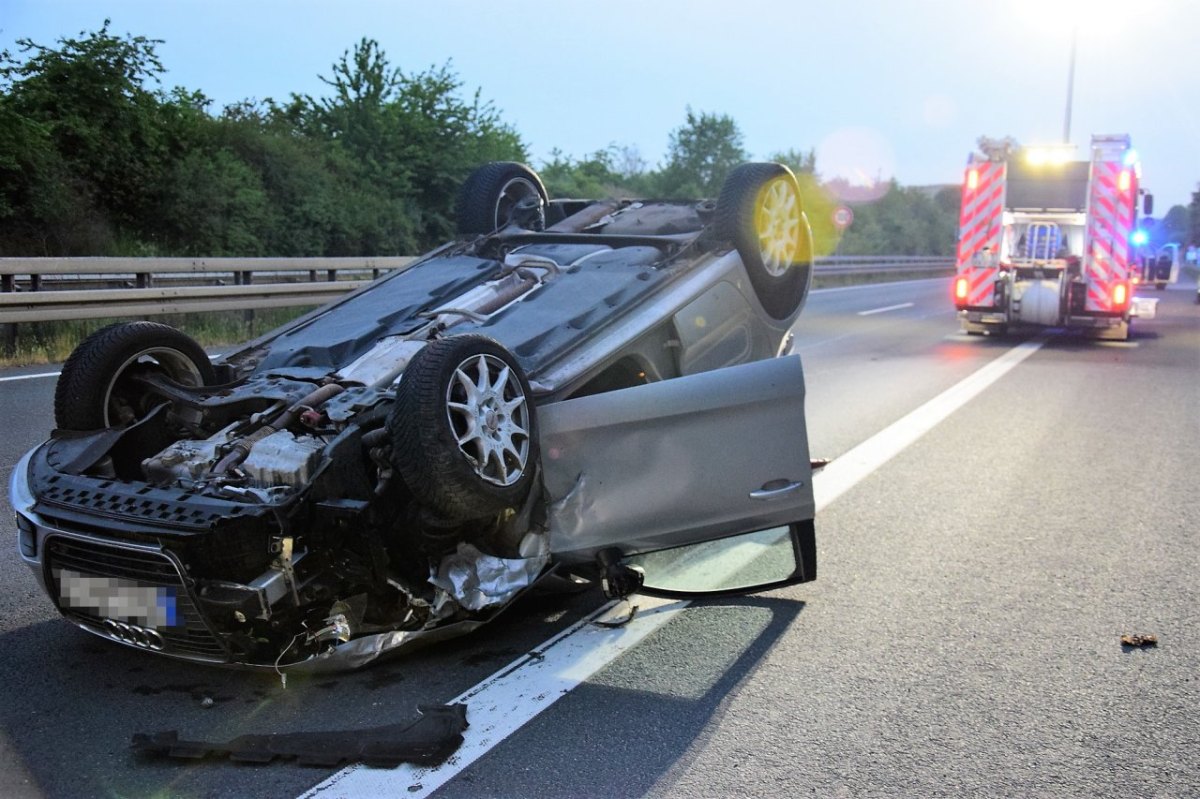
(1131, 157)
(1139, 237)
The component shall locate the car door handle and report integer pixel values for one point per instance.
(775, 489)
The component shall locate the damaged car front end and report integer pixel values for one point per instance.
(569, 385)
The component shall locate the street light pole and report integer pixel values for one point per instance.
(1070, 85)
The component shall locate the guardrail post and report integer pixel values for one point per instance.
(145, 280)
(8, 332)
(331, 275)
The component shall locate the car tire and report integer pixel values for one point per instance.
(760, 210)
(95, 391)
(488, 196)
(463, 428)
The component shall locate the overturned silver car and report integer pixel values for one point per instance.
(600, 387)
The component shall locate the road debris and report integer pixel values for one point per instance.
(1142, 641)
(427, 741)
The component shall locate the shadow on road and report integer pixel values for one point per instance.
(70, 703)
(637, 720)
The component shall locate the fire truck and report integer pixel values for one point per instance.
(1045, 239)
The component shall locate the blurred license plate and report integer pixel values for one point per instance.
(114, 598)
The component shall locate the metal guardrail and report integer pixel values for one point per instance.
(897, 264)
(58, 289)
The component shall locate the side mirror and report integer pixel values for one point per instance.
(742, 564)
(1148, 205)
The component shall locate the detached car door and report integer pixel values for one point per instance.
(717, 456)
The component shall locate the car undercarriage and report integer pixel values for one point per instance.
(372, 474)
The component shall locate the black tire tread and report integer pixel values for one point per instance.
(423, 449)
(89, 367)
(475, 206)
(780, 296)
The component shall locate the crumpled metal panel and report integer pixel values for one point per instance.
(477, 581)
(481, 583)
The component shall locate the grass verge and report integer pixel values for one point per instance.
(52, 342)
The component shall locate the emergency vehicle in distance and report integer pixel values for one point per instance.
(1045, 240)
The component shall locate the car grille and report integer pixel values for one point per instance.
(191, 640)
(130, 505)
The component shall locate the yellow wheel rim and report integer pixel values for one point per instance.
(778, 221)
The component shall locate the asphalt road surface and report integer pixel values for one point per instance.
(963, 637)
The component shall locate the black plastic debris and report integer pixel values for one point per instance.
(427, 741)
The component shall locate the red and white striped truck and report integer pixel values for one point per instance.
(1046, 239)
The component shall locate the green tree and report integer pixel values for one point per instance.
(412, 137)
(799, 161)
(36, 197)
(593, 177)
(1174, 227)
(1194, 219)
(700, 154)
(903, 221)
(92, 96)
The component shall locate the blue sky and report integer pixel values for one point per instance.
(893, 89)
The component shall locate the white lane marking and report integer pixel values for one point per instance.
(213, 356)
(885, 310)
(514, 695)
(846, 470)
(29, 377)
(504, 702)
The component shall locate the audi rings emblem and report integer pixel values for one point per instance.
(133, 634)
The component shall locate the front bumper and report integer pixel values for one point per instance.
(136, 594)
(983, 317)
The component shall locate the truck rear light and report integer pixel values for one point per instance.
(960, 291)
(972, 179)
(1120, 295)
(1123, 180)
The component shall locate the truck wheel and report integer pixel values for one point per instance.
(488, 196)
(761, 212)
(97, 388)
(463, 428)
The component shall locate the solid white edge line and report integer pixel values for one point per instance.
(848, 469)
(504, 702)
(517, 693)
(29, 377)
(56, 374)
(884, 310)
